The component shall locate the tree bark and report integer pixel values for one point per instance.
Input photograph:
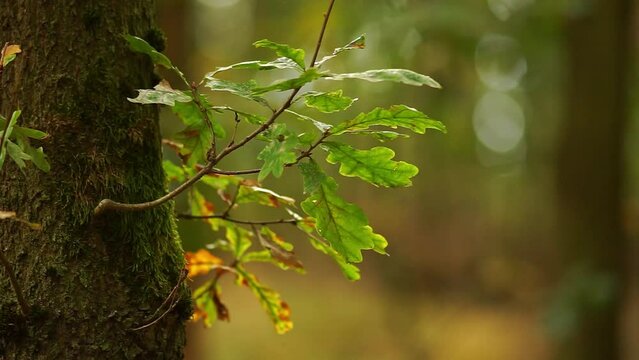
(590, 176)
(88, 281)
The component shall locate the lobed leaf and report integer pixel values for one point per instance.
(342, 224)
(397, 116)
(404, 76)
(328, 102)
(201, 262)
(297, 55)
(374, 166)
(279, 152)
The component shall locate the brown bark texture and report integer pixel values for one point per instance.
(88, 281)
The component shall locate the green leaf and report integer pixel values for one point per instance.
(197, 136)
(173, 172)
(277, 310)
(162, 93)
(396, 116)
(204, 304)
(323, 127)
(6, 134)
(328, 102)
(284, 85)
(358, 43)
(297, 55)
(255, 194)
(374, 166)
(141, 46)
(281, 63)
(350, 271)
(239, 240)
(38, 157)
(245, 90)
(380, 135)
(279, 152)
(343, 224)
(407, 77)
(15, 152)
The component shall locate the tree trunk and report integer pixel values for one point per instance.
(88, 281)
(590, 177)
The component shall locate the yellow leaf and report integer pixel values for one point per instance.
(201, 262)
(12, 50)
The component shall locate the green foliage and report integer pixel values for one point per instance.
(334, 226)
(374, 166)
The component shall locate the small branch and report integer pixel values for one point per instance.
(237, 221)
(237, 123)
(108, 204)
(24, 306)
(169, 300)
(321, 36)
(303, 155)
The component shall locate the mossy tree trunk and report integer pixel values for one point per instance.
(88, 282)
(590, 177)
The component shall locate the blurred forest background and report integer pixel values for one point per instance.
(519, 237)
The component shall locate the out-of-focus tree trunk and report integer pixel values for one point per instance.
(590, 176)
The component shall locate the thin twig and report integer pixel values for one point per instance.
(24, 306)
(303, 155)
(221, 270)
(169, 299)
(233, 202)
(237, 221)
(6, 126)
(321, 37)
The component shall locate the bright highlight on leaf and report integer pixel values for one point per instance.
(374, 166)
(407, 77)
(358, 43)
(397, 116)
(163, 94)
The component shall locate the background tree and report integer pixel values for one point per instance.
(88, 283)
